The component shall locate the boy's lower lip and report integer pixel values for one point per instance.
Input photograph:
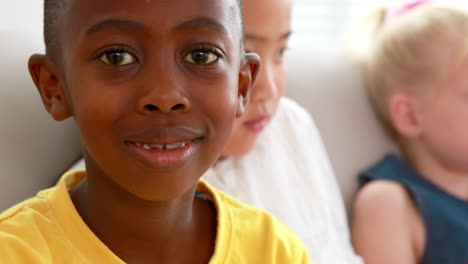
(175, 156)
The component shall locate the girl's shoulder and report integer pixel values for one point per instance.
(293, 118)
(385, 209)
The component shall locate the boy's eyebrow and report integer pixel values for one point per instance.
(202, 22)
(114, 23)
(199, 22)
(254, 37)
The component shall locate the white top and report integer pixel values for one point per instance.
(289, 175)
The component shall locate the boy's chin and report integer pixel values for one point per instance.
(138, 182)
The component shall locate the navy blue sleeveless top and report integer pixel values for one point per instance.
(445, 216)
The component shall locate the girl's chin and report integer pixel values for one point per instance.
(240, 147)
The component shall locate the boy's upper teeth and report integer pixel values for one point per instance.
(176, 145)
(161, 147)
(146, 146)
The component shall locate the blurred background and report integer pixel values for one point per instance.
(323, 22)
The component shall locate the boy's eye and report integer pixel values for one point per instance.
(118, 58)
(201, 57)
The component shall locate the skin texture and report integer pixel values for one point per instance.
(267, 28)
(388, 227)
(140, 72)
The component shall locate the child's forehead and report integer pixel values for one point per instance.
(157, 14)
(163, 5)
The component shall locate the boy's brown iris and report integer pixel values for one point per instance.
(116, 57)
(200, 57)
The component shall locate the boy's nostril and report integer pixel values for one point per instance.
(151, 107)
(177, 107)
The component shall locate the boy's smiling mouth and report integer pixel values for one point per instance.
(165, 147)
(164, 155)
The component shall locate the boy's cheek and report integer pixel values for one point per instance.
(95, 108)
(216, 100)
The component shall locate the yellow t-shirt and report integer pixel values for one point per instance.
(48, 229)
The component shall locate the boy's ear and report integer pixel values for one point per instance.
(247, 75)
(45, 76)
(405, 116)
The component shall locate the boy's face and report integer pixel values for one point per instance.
(154, 87)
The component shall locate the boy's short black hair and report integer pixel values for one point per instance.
(52, 11)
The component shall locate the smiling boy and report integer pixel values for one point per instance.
(154, 87)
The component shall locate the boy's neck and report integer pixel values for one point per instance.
(135, 229)
(449, 179)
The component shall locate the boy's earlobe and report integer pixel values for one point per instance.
(44, 74)
(404, 115)
(247, 76)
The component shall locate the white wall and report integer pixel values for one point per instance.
(22, 16)
(35, 150)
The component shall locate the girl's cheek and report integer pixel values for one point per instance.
(281, 80)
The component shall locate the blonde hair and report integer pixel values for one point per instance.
(397, 53)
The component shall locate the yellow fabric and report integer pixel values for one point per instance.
(48, 229)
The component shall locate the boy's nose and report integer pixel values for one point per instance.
(165, 108)
(164, 104)
(165, 98)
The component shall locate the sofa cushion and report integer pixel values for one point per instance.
(330, 87)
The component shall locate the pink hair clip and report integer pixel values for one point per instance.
(405, 7)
